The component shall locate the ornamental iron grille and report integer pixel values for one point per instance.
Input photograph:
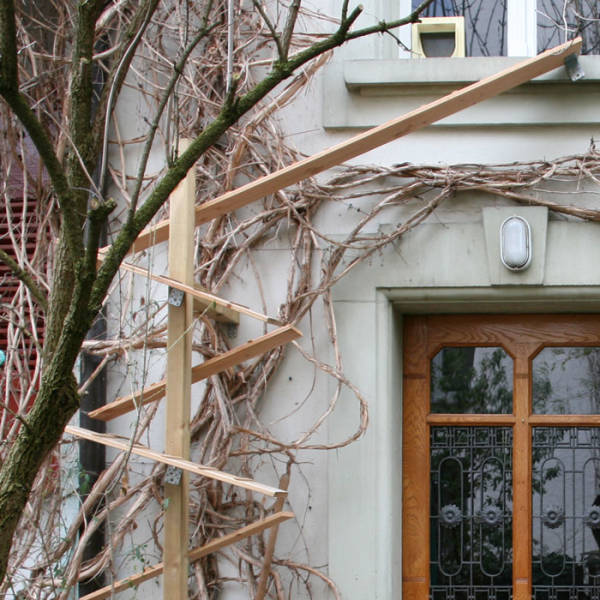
(471, 513)
(566, 513)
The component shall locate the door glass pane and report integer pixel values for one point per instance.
(566, 513)
(485, 23)
(567, 381)
(562, 20)
(471, 513)
(469, 380)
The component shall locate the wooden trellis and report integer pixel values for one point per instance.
(178, 230)
(193, 555)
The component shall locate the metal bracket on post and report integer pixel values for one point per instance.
(573, 67)
(173, 475)
(176, 296)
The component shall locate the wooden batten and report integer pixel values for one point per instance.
(219, 363)
(220, 307)
(175, 461)
(193, 555)
(180, 321)
(452, 103)
(220, 313)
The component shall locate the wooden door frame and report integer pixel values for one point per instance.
(522, 336)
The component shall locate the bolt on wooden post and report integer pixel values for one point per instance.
(179, 366)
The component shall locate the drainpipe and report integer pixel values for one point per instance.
(92, 456)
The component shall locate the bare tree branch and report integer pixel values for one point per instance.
(288, 29)
(26, 278)
(271, 27)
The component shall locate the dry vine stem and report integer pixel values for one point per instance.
(227, 429)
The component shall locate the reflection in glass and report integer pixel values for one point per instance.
(567, 381)
(562, 20)
(485, 23)
(566, 513)
(471, 380)
(471, 513)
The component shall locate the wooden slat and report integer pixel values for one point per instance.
(204, 297)
(222, 314)
(415, 483)
(175, 461)
(521, 527)
(179, 386)
(193, 555)
(373, 138)
(564, 420)
(511, 331)
(415, 588)
(219, 363)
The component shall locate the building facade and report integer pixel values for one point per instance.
(384, 514)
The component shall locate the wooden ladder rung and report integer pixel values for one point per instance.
(224, 308)
(125, 445)
(209, 367)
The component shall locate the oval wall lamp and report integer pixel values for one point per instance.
(515, 243)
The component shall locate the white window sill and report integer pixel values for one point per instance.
(370, 92)
(436, 71)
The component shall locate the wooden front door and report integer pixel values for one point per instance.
(501, 457)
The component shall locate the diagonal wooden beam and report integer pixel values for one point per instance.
(204, 297)
(193, 555)
(125, 445)
(377, 136)
(209, 367)
(220, 313)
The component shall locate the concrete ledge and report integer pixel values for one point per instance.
(444, 71)
(366, 93)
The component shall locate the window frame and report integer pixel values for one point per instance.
(523, 337)
(521, 32)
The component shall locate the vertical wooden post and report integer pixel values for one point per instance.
(522, 476)
(416, 465)
(179, 366)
